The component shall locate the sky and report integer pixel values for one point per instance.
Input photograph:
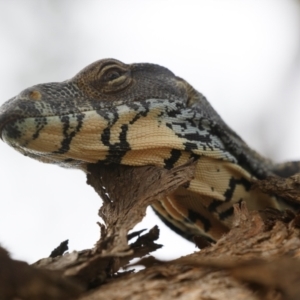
(244, 56)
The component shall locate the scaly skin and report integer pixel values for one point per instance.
(142, 114)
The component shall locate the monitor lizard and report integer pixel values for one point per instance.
(142, 114)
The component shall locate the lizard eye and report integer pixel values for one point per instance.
(111, 75)
(114, 79)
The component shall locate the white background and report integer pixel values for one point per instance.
(243, 55)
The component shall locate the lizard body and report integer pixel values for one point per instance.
(142, 114)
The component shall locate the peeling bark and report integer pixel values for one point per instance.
(257, 259)
(252, 261)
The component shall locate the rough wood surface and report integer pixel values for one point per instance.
(288, 188)
(257, 259)
(18, 280)
(253, 261)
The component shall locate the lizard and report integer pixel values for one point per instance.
(143, 114)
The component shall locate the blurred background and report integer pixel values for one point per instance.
(244, 56)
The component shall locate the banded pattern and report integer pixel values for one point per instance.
(142, 114)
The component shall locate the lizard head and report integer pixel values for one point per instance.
(100, 114)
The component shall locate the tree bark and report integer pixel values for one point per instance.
(257, 259)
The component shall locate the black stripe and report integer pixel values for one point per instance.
(194, 156)
(233, 182)
(226, 214)
(229, 192)
(118, 150)
(111, 115)
(105, 136)
(175, 155)
(185, 234)
(40, 124)
(65, 144)
(194, 216)
(214, 205)
(139, 114)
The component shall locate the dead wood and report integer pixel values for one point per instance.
(257, 259)
(18, 280)
(252, 261)
(288, 188)
(126, 192)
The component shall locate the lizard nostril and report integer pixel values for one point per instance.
(35, 95)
